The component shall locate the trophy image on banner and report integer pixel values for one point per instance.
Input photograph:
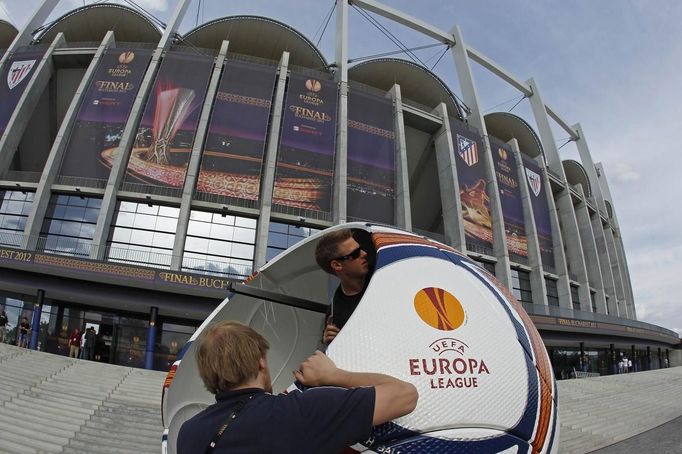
(172, 108)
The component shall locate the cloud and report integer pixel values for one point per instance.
(623, 173)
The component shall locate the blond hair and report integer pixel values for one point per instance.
(227, 355)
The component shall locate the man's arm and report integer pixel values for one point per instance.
(393, 397)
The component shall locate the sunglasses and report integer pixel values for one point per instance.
(355, 253)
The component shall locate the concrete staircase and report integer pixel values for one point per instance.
(598, 412)
(53, 404)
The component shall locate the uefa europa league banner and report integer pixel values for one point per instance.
(233, 152)
(305, 164)
(538, 197)
(371, 158)
(469, 159)
(164, 139)
(18, 70)
(103, 114)
(510, 198)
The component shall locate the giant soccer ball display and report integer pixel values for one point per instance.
(429, 316)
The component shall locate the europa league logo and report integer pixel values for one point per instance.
(172, 108)
(126, 57)
(439, 309)
(313, 85)
(503, 153)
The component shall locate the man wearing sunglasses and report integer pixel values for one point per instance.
(339, 254)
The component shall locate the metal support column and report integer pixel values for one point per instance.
(35, 320)
(339, 205)
(403, 205)
(151, 338)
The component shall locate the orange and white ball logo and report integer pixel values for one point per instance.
(313, 85)
(439, 308)
(503, 153)
(126, 57)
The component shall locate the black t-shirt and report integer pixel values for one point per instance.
(24, 327)
(3, 319)
(343, 305)
(319, 420)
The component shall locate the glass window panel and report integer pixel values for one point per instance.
(197, 228)
(75, 213)
(141, 237)
(77, 201)
(147, 209)
(130, 207)
(55, 227)
(244, 235)
(278, 227)
(245, 222)
(163, 240)
(243, 251)
(70, 228)
(87, 231)
(26, 210)
(221, 248)
(223, 219)
(144, 221)
(222, 232)
(166, 224)
(200, 216)
(125, 219)
(14, 207)
(196, 244)
(277, 240)
(94, 203)
(121, 235)
(170, 212)
(62, 199)
(91, 215)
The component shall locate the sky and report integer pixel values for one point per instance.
(611, 65)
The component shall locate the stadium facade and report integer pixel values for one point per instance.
(142, 171)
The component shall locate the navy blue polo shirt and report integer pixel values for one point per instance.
(319, 420)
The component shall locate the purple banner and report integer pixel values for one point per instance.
(18, 70)
(233, 152)
(104, 112)
(469, 158)
(166, 133)
(538, 197)
(371, 158)
(510, 199)
(305, 164)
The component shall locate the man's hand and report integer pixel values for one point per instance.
(317, 370)
(330, 332)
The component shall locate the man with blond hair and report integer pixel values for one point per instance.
(338, 411)
(339, 254)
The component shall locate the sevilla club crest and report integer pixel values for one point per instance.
(534, 181)
(18, 72)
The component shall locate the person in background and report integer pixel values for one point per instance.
(74, 343)
(339, 411)
(24, 328)
(89, 345)
(3, 326)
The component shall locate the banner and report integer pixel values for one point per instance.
(305, 164)
(469, 158)
(510, 199)
(18, 70)
(538, 197)
(104, 112)
(233, 152)
(371, 158)
(166, 133)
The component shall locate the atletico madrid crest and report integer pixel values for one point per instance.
(534, 181)
(467, 150)
(18, 72)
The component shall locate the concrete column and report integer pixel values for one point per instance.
(195, 160)
(25, 35)
(448, 182)
(402, 190)
(18, 122)
(151, 339)
(591, 257)
(35, 321)
(608, 284)
(618, 306)
(537, 275)
(268, 180)
(54, 159)
(339, 205)
(118, 167)
(560, 263)
(564, 203)
(475, 118)
(627, 283)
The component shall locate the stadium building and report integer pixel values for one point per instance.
(142, 171)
